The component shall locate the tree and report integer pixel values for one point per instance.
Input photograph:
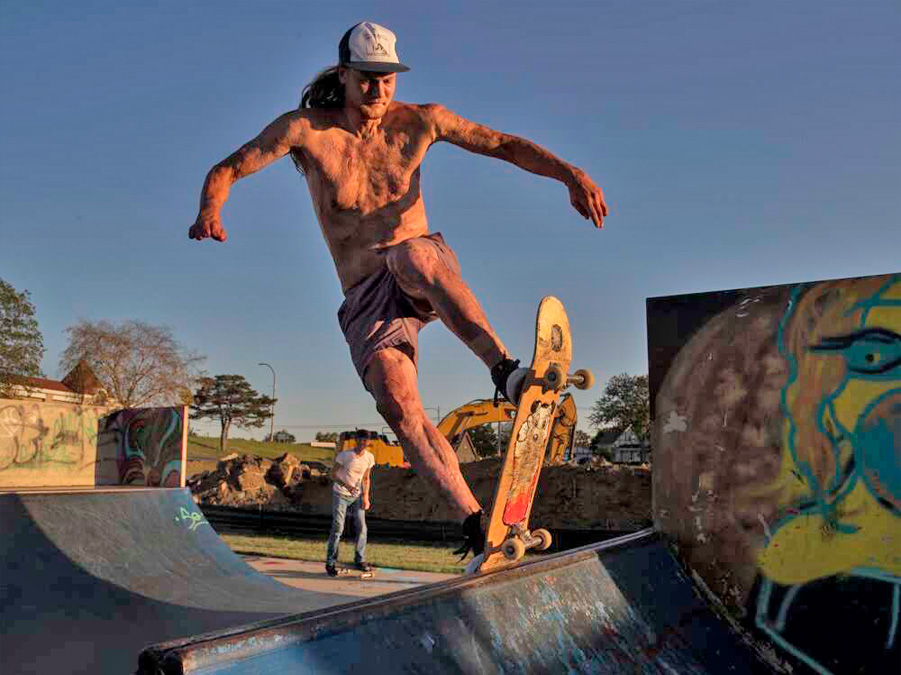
(626, 402)
(281, 436)
(139, 364)
(323, 437)
(231, 400)
(21, 342)
(598, 449)
(485, 440)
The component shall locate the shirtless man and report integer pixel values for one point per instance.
(361, 151)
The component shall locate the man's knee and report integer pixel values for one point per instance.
(414, 263)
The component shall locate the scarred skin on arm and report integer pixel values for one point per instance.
(274, 142)
(586, 197)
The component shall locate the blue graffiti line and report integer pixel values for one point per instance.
(196, 519)
(876, 300)
(174, 417)
(763, 624)
(173, 466)
(129, 451)
(896, 610)
(774, 629)
(870, 448)
(803, 467)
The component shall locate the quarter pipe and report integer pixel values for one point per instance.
(90, 579)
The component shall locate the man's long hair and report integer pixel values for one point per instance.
(324, 91)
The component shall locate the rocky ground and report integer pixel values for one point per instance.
(598, 495)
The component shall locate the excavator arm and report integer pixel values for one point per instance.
(483, 411)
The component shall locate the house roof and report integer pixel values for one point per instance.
(81, 380)
(608, 436)
(43, 383)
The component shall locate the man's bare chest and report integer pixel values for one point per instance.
(351, 173)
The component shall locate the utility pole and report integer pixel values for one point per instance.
(272, 418)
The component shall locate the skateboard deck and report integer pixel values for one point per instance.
(508, 536)
(348, 572)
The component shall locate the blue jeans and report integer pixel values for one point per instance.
(340, 506)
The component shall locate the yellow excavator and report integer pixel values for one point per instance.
(468, 416)
(483, 411)
(385, 451)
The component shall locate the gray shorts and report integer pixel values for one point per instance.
(377, 313)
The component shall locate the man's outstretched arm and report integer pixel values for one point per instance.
(586, 197)
(274, 142)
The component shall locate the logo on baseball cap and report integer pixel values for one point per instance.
(370, 47)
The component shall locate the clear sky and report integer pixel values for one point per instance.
(738, 143)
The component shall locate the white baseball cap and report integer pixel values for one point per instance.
(370, 47)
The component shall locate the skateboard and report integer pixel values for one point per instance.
(348, 572)
(508, 536)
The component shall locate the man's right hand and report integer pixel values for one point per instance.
(206, 227)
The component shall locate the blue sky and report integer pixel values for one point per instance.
(738, 144)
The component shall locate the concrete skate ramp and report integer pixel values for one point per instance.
(624, 606)
(88, 579)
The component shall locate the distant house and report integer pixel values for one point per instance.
(603, 444)
(622, 447)
(629, 449)
(80, 386)
(285, 437)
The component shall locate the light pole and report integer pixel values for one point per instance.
(272, 418)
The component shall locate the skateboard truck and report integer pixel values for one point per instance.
(555, 378)
(519, 541)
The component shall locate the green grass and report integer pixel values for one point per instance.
(206, 446)
(425, 557)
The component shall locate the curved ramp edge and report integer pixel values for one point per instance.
(88, 578)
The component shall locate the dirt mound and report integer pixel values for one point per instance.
(598, 495)
(248, 480)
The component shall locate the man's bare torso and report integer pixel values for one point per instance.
(366, 190)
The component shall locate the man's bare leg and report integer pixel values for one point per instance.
(421, 274)
(391, 378)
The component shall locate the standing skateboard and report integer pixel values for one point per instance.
(349, 572)
(508, 536)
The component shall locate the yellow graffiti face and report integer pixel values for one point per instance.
(842, 434)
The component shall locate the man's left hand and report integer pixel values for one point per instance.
(366, 503)
(587, 198)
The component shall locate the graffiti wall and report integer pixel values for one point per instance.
(48, 444)
(149, 445)
(777, 460)
(67, 445)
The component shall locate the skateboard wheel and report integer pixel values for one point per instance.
(513, 549)
(554, 376)
(544, 539)
(586, 379)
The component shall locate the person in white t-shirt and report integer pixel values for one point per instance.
(351, 476)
